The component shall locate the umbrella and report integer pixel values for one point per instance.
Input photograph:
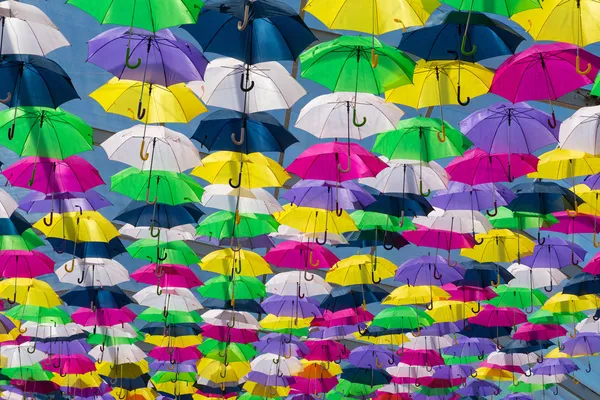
(105, 297)
(28, 291)
(240, 287)
(320, 194)
(562, 164)
(298, 255)
(408, 295)
(292, 283)
(246, 201)
(354, 296)
(506, 8)
(499, 245)
(177, 252)
(251, 32)
(578, 132)
(262, 132)
(36, 202)
(159, 215)
(225, 261)
(264, 86)
(527, 277)
(485, 274)
(170, 299)
(93, 271)
(408, 176)
(88, 249)
(428, 270)
(24, 264)
(84, 226)
(360, 269)
(174, 276)
(224, 224)
(459, 196)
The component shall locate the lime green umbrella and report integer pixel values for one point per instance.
(28, 373)
(241, 288)
(421, 138)
(453, 360)
(241, 352)
(45, 132)
(28, 240)
(506, 8)
(335, 395)
(299, 332)
(517, 297)
(151, 15)
(550, 318)
(165, 187)
(176, 252)
(344, 65)
(402, 317)
(163, 377)
(97, 339)
(369, 220)
(523, 387)
(40, 315)
(353, 389)
(222, 224)
(433, 391)
(174, 317)
(507, 219)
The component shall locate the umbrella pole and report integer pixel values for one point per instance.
(442, 137)
(463, 49)
(510, 178)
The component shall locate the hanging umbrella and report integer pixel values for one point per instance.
(506, 8)
(579, 131)
(298, 255)
(428, 270)
(170, 299)
(360, 269)
(290, 283)
(239, 287)
(27, 291)
(35, 202)
(308, 219)
(562, 164)
(84, 226)
(174, 276)
(159, 215)
(328, 195)
(224, 224)
(24, 264)
(88, 249)
(527, 277)
(459, 196)
(410, 295)
(499, 245)
(92, 272)
(224, 262)
(354, 296)
(246, 201)
(171, 252)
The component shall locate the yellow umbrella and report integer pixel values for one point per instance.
(31, 292)
(494, 374)
(218, 372)
(253, 170)
(315, 220)
(125, 371)
(230, 262)
(375, 17)
(79, 381)
(452, 310)
(591, 204)
(85, 226)
(360, 269)
(275, 323)
(270, 392)
(499, 245)
(556, 353)
(562, 164)
(159, 104)
(385, 340)
(172, 341)
(407, 294)
(177, 388)
(569, 303)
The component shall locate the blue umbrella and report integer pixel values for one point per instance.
(354, 296)
(95, 297)
(480, 331)
(262, 132)
(555, 366)
(185, 329)
(408, 204)
(471, 347)
(543, 198)
(555, 253)
(15, 225)
(484, 274)
(139, 213)
(375, 237)
(253, 31)
(489, 37)
(250, 306)
(460, 196)
(522, 346)
(478, 387)
(88, 249)
(583, 283)
(366, 376)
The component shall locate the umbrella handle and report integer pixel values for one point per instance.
(72, 268)
(241, 25)
(298, 292)
(312, 276)
(418, 333)
(528, 373)
(152, 233)
(495, 212)
(122, 392)
(459, 100)
(141, 111)
(421, 189)
(549, 289)
(385, 244)
(128, 58)
(374, 58)
(30, 183)
(238, 184)
(540, 359)
(243, 87)
(463, 47)
(375, 281)
(552, 122)
(578, 66)
(573, 334)
(401, 222)
(143, 153)
(361, 332)
(339, 166)
(436, 275)
(442, 138)
(238, 270)
(7, 99)
(478, 309)
(573, 260)
(429, 306)
(14, 299)
(159, 292)
(481, 356)
(497, 283)
(159, 257)
(311, 261)
(450, 262)
(588, 369)
(324, 239)
(477, 241)
(355, 122)
(242, 137)
(60, 250)
(157, 269)
(171, 367)
(49, 223)
(541, 240)
(596, 245)
(82, 278)
(31, 350)
(11, 132)
(148, 196)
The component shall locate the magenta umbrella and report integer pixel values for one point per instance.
(529, 331)
(71, 364)
(426, 358)
(491, 316)
(570, 222)
(440, 239)
(103, 316)
(469, 293)
(24, 264)
(302, 256)
(325, 161)
(50, 175)
(544, 72)
(175, 354)
(174, 276)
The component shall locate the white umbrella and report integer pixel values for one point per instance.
(162, 149)
(409, 371)
(27, 30)
(285, 232)
(527, 277)
(581, 131)
(170, 299)
(15, 394)
(224, 197)
(293, 283)
(460, 221)
(542, 379)
(408, 176)
(51, 330)
(93, 272)
(589, 325)
(273, 364)
(330, 115)
(126, 330)
(511, 359)
(233, 319)
(273, 88)
(396, 388)
(181, 232)
(8, 205)
(120, 354)
(21, 355)
(427, 342)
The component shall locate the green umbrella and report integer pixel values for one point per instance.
(29, 372)
(506, 8)
(241, 288)
(45, 132)
(507, 219)
(165, 187)
(222, 223)
(176, 252)
(453, 360)
(299, 332)
(517, 297)
(402, 317)
(433, 391)
(151, 15)
(97, 339)
(523, 387)
(28, 240)
(211, 349)
(344, 65)
(418, 138)
(369, 220)
(174, 317)
(549, 318)
(353, 389)
(164, 377)
(40, 315)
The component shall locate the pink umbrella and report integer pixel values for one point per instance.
(325, 161)
(439, 239)
(570, 222)
(71, 364)
(469, 293)
(50, 175)
(24, 264)
(103, 316)
(491, 316)
(302, 256)
(224, 334)
(175, 276)
(175, 354)
(349, 316)
(476, 167)
(313, 385)
(544, 72)
(593, 266)
(427, 358)
(529, 331)
(326, 350)
(431, 382)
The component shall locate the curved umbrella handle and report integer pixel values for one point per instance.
(148, 197)
(69, 270)
(477, 241)
(421, 189)
(429, 306)
(159, 257)
(361, 332)
(159, 292)
(171, 366)
(401, 222)
(154, 233)
(481, 356)
(157, 269)
(49, 223)
(238, 184)
(31, 350)
(11, 132)
(459, 100)
(495, 212)
(540, 359)
(298, 292)
(436, 275)
(463, 47)
(143, 153)
(306, 278)
(238, 270)
(588, 369)
(324, 239)
(549, 289)
(497, 283)
(355, 122)
(442, 138)
(63, 247)
(478, 309)
(387, 246)
(82, 278)
(418, 332)
(338, 211)
(128, 58)
(166, 315)
(311, 261)
(347, 169)
(14, 299)
(32, 179)
(573, 260)
(578, 66)
(552, 122)
(243, 83)
(141, 111)
(241, 25)
(374, 58)
(242, 137)
(528, 373)
(541, 240)
(450, 262)
(573, 334)
(7, 99)
(375, 281)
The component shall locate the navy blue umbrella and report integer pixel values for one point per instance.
(543, 198)
(489, 37)
(366, 376)
(484, 332)
(132, 384)
(375, 237)
(407, 204)
(15, 225)
(262, 132)
(484, 274)
(95, 297)
(250, 306)
(583, 283)
(354, 296)
(158, 328)
(270, 30)
(139, 213)
(88, 249)
(522, 346)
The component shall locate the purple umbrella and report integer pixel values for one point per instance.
(478, 387)
(449, 372)
(276, 342)
(442, 328)
(372, 356)
(183, 366)
(36, 202)
(421, 396)
(64, 347)
(555, 366)
(329, 195)
(460, 196)
(291, 306)
(269, 380)
(592, 181)
(162, 58)
(554, 253)
(584, 344)
(471, 347)
(518, 396)
(334, 332)
(428, 271)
